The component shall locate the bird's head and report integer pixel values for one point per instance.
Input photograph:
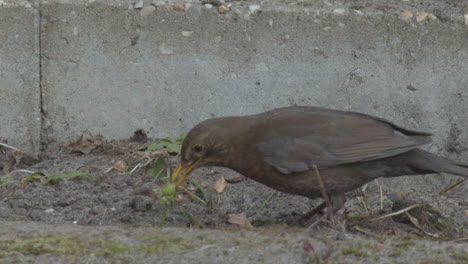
(204, 145)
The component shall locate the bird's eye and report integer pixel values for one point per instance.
(198, 148)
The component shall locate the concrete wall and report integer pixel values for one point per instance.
(20, 116)
(111, 68)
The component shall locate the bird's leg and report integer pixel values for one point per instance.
(325, 196)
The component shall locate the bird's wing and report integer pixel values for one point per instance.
(294, 139)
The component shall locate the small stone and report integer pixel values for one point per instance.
(147, 10)
(270, 22)
(422, 17)
(159, 3)
(49, 210)
(405, 15)
(209, 6)
(222, 9)
(359, 12)
(75, 31)
(218, 39)
(165, 49)
(339, 11)
(73, 15)
(341, 24)
(25, 4)
(466, 19)
(187, 33)
(188, 6)
(138, 5)
(179, 7)
(327, 28)
(253, 8)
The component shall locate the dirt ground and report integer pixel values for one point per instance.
(113, 216)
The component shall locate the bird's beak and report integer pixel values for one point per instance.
(184, 171)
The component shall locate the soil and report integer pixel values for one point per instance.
(114, 217)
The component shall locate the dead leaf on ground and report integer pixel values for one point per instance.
(240, 220)
(465, 212)
(87, 142)
(235, 179)
(146, 191)
(220, 185)
(120, 165)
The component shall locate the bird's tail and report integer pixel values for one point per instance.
(429, 162)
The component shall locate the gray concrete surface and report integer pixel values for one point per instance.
(20, 116)
(108, 68)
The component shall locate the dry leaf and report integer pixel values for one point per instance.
(220, 185)
(465, 212)
(240, 220)
(120, 165)
(87, 142)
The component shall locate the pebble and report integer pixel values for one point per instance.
(341, 24)
(49, 210)
(208, 6)
(466, 19)
(147, 10)
(138, 5)
(406, 15)
(165, 49)
(75, 31)
(222, 9)
(421, 17)
(159, 3)
(218, 39)
(270, 22)
(25, 4)
(253, 8)
(73, 15)
(187, 33)
(179, 8)
(339, 11)
(359, 12)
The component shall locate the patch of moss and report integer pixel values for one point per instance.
(69, 246)
(395, 253)
(404, 244)
(459, 255)
(353, 251)
(160, 245)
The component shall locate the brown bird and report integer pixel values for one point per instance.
(279, 148)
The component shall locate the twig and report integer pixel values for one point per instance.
(357, 228)
(10, 147)
(135, 168)
(402, 211)
(325, 195)
(458, 182)
(21, 170)
(415, 222)
(381, 197)
(459, 240)
(193, 195)
(265, 202)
